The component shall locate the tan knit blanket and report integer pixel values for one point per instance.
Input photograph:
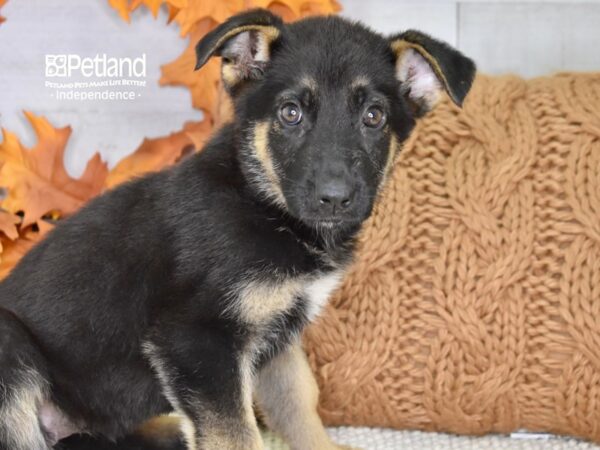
(474, 304)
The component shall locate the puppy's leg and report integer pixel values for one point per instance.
(158, 433)
(208, 381)
(23, 387)
(287, 393)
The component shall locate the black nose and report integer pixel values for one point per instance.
(334, 196)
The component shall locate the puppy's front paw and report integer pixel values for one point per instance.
(344, 447)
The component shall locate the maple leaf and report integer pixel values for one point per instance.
(8, 224)
(154, 5)
(203, 84)
(126, 7)
(312, 7)
(123, 8)
(36, 180)
(13, 247)
(298, 8)
(282, 8)
(173, 11)
(154, 154)
(13, 251)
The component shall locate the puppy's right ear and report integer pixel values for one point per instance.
(244, 42)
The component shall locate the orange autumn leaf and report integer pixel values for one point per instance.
(13, 251)
(154, 154)
(42, 228)
(203, 85)
(288, 10)
(36, 179)
(122, 7)
(293, 10)
(126, 7)
(8, 224)
(154, 5)
(312, 7)
(173, 11)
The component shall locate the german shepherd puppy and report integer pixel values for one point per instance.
(186, 291)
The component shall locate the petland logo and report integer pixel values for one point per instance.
(100, 66)
(99, 78)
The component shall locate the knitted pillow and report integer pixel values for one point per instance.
(474, 303)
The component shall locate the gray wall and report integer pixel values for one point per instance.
(528, 38)
(525, 37)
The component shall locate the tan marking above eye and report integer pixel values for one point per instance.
(359, 82)
(310, 83)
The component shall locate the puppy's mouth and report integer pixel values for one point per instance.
(328, 223)
(331, 222)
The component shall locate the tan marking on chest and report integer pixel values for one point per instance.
(260, 301)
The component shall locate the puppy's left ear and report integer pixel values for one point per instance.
(425, 67)
(244, 42)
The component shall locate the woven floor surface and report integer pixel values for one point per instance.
(385, 439)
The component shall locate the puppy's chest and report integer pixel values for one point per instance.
(276, 309)
(261, 300)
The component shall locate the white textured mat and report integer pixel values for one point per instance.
(384, 439)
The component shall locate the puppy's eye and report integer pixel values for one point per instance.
(290, 113)
(374, 117)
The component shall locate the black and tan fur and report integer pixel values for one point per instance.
(185, 292)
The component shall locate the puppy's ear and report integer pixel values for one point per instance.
(425, 67)
(244, 42)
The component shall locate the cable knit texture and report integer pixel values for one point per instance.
(474, 303)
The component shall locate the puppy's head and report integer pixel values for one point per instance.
(323, 105)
